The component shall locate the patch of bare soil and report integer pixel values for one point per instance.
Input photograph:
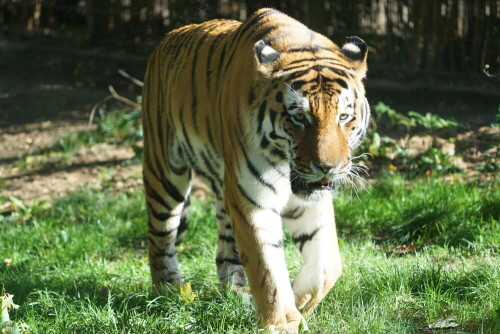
(105, 166)
(473, 152)
(28, 175)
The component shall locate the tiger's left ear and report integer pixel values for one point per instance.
(356, 52)
(266, 57)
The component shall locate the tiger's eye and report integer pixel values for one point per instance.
(299, 116)
(343, 117)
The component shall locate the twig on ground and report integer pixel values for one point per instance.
(131, 78)
(94, 108)
(123, 99)
(114, 95)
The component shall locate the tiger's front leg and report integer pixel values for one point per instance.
(312, 227)
(259, 237)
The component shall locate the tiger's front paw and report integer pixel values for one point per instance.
(309, 289)
(295, 323)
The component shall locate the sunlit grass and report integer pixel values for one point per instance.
(81, 265)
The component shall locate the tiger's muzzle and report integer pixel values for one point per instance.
(304, 187)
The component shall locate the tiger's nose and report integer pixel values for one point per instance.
(325, 168)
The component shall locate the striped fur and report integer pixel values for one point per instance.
(267, 113)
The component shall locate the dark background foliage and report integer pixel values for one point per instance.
(451, 36)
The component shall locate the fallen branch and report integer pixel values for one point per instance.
(94, 108)
(123, 99)
(131, 78)
(114, 95)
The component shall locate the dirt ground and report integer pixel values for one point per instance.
(47, 90)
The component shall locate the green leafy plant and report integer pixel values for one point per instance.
(395, 118)
(432, 122)
(395, 153)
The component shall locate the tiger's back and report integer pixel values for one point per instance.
(267, 113)
(182, 80)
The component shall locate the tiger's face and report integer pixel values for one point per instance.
(325, 116)
(324, 130)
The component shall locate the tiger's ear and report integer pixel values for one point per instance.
(356, 52)
(266, 58)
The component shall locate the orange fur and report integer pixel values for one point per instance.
(211, 92)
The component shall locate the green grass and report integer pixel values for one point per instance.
(81, 265)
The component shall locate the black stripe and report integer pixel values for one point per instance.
(247, 197)
(182, 51)
(209, 164)
(279, 97)
(211, 52)
(194, 84)
(164, 254)
(263, 33)
(220, 63)
(243, 217)
(154, 195)
(252, 21)
(160, 216)
(279, 153)
(264, 143)
(172, 190)
(160, 234)
(255, 172)
(168, 186)
(183, 225)
(242, 29)
(226, 238)
(176, 170)
(251, 96)
(190, 149)
(275, 136)
(261, 115)
(153, 243)
(303, 238)
(227, 259)
(316, 59)
(214, 186)
(297, 74)
(297, 85)
(293, 214)
(308, 48)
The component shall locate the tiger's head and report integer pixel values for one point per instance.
(321, 113)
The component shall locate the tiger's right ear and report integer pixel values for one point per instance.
(356, 52)
(266, 58)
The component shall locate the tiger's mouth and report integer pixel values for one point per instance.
(301, 186)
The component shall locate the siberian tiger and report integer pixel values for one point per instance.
(267, 113)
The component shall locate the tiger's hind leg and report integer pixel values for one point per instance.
(229, 267)
(166, 200)
(184, 223)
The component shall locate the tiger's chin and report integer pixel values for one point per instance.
(312, 190)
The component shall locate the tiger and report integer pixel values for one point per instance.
(267, 113)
